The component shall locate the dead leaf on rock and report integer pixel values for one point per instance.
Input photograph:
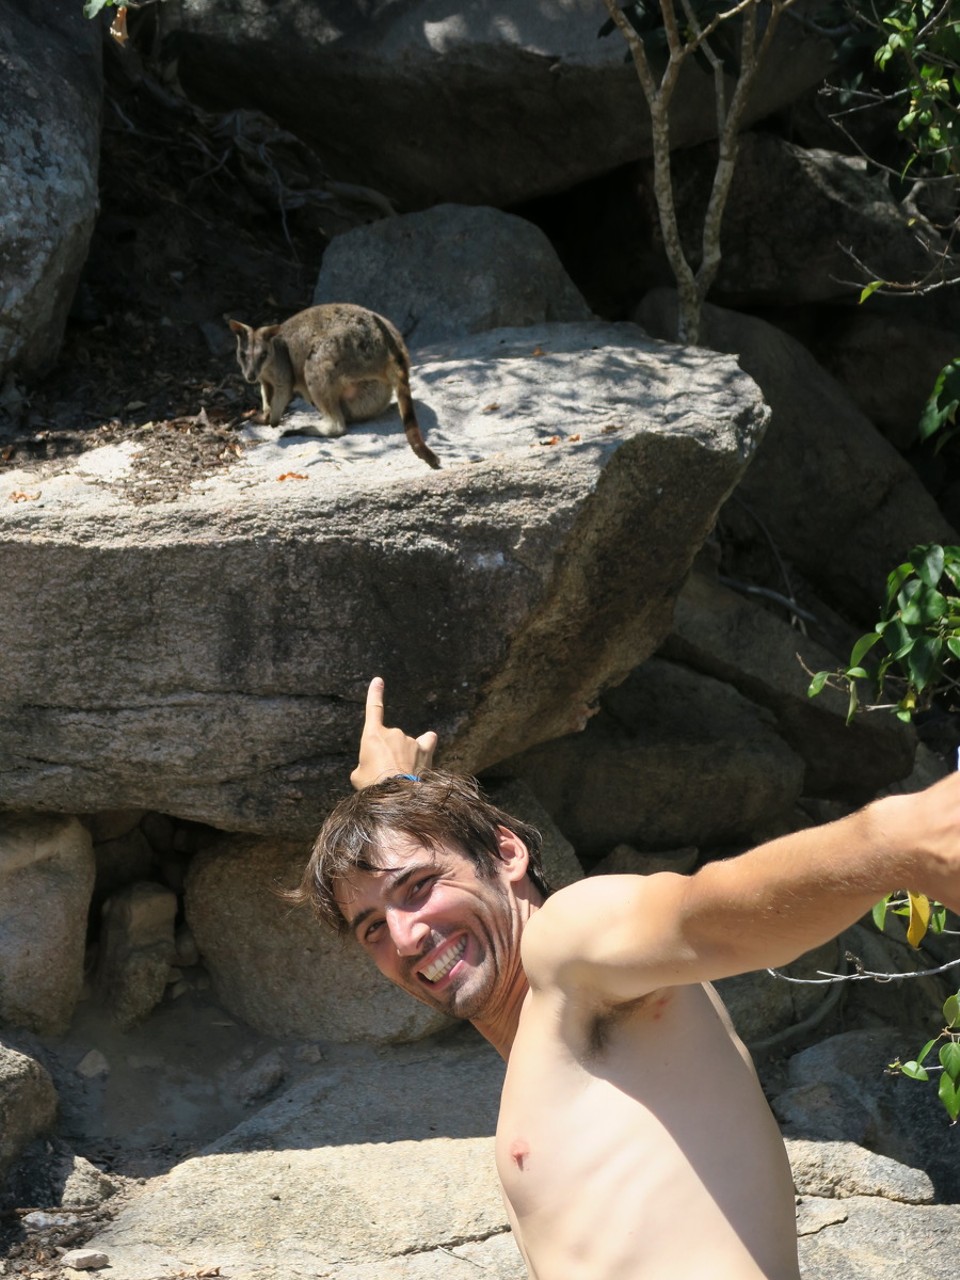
(18, 495)
(539, 351)
(550, 440)
(292, 475)
(612, 426)
(490, 408)
(573, 439)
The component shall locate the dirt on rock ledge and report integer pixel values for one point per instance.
(201, 216)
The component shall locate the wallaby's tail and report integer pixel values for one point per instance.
(404, 398)
(410, 424)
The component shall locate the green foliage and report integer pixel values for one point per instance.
(921, 48)
(948, 1059)
(939, 415)
(92, 7)
(918, 636)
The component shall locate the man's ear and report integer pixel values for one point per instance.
(513, 854)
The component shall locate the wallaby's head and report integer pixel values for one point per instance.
(253, 347)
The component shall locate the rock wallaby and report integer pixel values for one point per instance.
(347, 361)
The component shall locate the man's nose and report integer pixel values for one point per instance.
(407, 931)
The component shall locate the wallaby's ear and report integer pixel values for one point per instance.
(268, 331)
(237, 325)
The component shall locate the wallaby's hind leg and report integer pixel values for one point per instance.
(323, 391)
(364, 399)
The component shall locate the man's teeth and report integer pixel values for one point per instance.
(445, 961)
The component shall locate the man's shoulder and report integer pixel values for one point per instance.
(569, 934)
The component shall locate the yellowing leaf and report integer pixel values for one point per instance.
(919, 918)
(118, 27)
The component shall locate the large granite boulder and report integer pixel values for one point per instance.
(28, 1105)
(722, 633)
(343, 1177)
(210, 656)
(277, 967)
(49, 146)
(450, 271)
(663, 741)
(426, 102)
(46, 879)
(836, 498)
(793, 218)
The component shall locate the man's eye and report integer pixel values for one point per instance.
(372, 931)
(422, 885)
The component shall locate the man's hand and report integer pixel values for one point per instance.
(386, 752)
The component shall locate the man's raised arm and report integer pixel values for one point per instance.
(623, 936)
(387, 752)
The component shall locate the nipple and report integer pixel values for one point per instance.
(519, 1151)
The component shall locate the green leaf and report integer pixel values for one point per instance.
(922, 605)
(879, 912)
(817, 683)
(953, 644)
(923, 660)
(951, 1010)
(898, 639)
(941, 407)
(950, 1059)
(914, 1071)
(896, 578)
(862, 647)
(947, 1092)
(926, 1049)
(870, 289)
(928, 562)
(92, 7)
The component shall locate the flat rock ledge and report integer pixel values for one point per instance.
(345, 1177)
(208, 657)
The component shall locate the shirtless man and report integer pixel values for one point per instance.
(634, 1142)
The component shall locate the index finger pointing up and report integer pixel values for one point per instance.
(373, 715)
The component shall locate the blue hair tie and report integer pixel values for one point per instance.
(410, 777)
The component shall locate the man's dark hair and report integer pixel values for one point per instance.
(437, 809)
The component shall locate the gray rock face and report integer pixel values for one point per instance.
(46, 879)
(450, 271)
(50, 85)
(866, 1238)
(717, 631)
(791, 213)
(28, 1104)
(219, 647)
(424, 102)
(275, 966)
(638, 771)
(838, 500)
(840, 1092)
(136, 950)
(342, 1176)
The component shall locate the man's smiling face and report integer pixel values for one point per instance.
(434, 927)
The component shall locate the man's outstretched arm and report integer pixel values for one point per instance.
(622, 936)
(387, 752)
